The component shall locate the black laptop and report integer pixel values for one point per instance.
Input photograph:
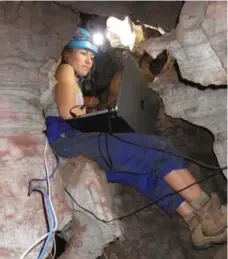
(136, 109)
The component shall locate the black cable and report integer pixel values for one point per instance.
(110, 133)
(109, 157)
(215, 168)
(157, 149)
(142, 208)
(110, 166)
(125, 141)
(99, 147)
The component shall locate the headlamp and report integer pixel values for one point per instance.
(98, 38)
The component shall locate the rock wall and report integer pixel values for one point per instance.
(205, 108)
(198, 43)
(32, 36)
(156, 13)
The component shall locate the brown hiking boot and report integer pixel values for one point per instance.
(200, 241)
(213, 216)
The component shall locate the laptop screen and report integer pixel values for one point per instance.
(137, 104)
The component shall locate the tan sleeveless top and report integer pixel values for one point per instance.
(52, 109)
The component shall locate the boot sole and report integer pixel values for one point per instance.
(209, 244)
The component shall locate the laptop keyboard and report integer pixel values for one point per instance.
(97, 113)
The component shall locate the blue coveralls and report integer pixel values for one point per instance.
(138, 167)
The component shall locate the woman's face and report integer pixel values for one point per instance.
(82, 61)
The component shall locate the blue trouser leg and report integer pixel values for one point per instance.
(148, 167)
(150, 186)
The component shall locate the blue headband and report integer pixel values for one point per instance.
(82, 39)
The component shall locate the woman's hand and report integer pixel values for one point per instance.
(77, 111)
(93, 101)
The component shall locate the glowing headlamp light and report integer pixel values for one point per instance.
(98, 38)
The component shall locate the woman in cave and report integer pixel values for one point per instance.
(152, 173)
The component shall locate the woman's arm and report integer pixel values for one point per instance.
(65, 91)
(114, 88)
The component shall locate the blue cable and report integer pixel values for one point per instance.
(48, 239)
(50, 217)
